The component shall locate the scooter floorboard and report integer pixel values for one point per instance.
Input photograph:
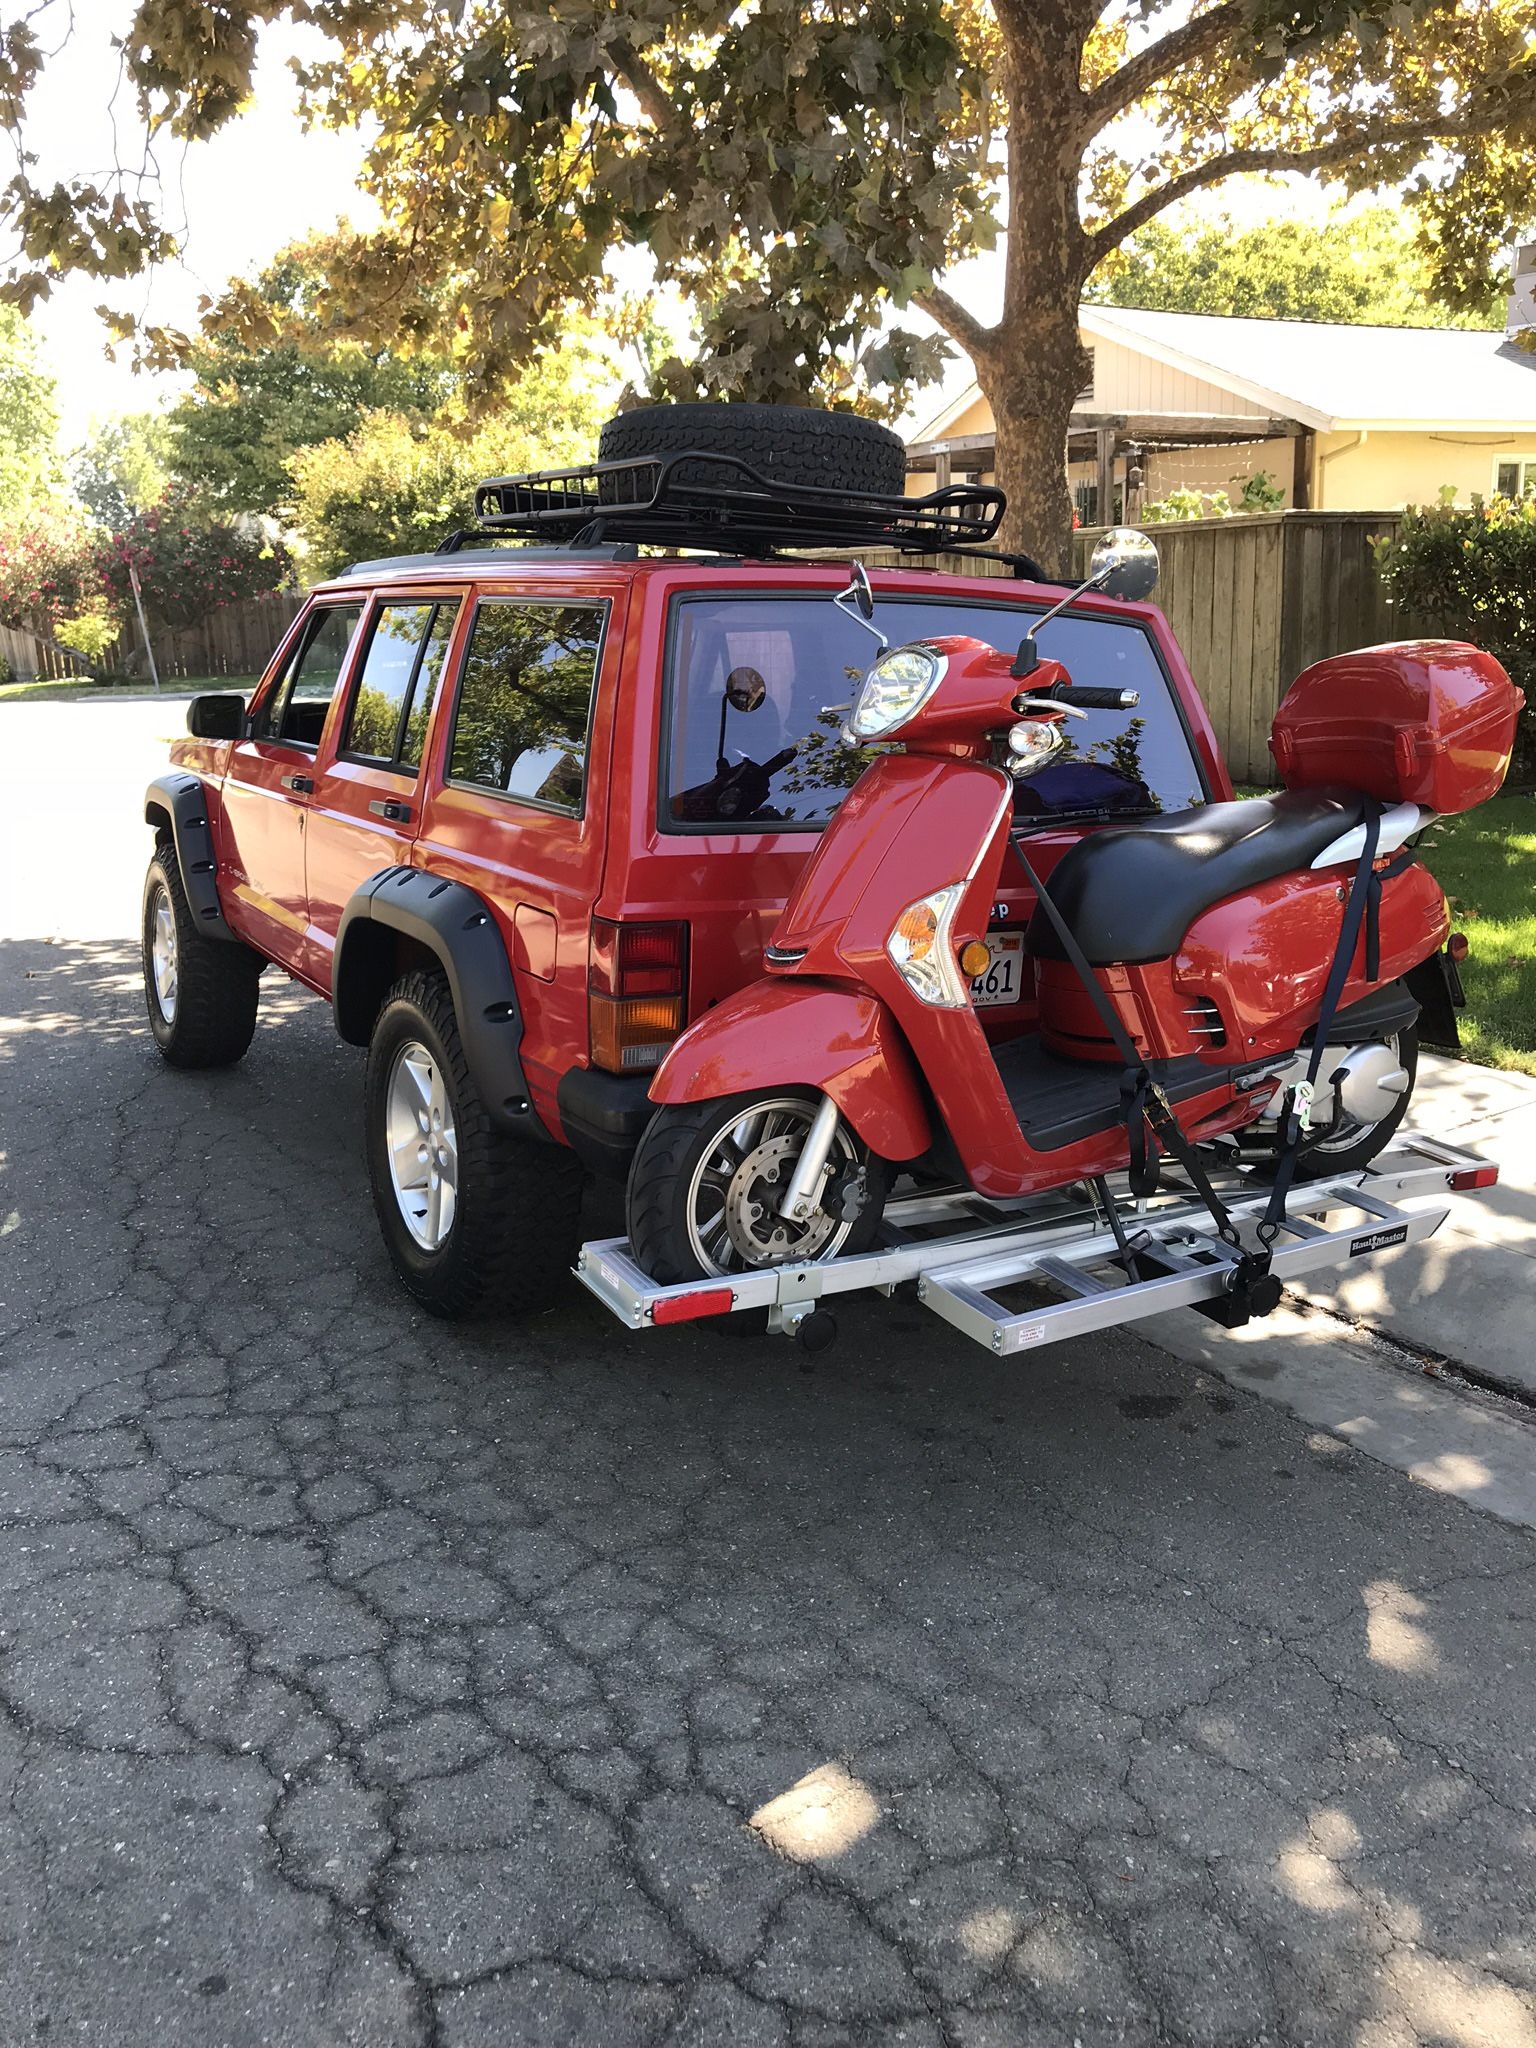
(1061, 1101)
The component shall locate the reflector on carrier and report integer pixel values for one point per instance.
(1427, 722)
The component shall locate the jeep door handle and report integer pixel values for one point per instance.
(386, 807)
(302, 783)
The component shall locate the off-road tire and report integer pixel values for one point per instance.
(517, 1227)
(217, 990)
(662, 1171)
(793, 444)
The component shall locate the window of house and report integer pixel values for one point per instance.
(525, 700)
(1515, 477)
(392, 703)
(294, 713)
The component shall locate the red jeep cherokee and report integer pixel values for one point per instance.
(520, 814)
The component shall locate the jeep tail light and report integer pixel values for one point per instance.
(636, 992)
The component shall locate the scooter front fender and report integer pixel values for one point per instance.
(779, 1034)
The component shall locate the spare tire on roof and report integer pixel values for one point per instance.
(791, 444)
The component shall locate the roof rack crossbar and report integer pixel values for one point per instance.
(699, 498)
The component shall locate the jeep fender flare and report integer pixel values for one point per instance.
(454, 924)
(180, 801)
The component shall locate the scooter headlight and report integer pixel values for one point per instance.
(899, 684)
(921, 950)
(1031, 744)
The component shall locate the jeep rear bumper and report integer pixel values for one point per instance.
(604, 1117)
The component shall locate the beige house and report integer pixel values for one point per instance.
(1339, 418)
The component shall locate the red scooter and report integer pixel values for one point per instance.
(1249, 972)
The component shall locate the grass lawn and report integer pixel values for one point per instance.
(1486, 863)
(63, 693)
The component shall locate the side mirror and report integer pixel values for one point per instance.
(745, 689)
(1124, 564)
(858, 601)
(218, 716)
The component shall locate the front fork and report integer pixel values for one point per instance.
(802, 1198)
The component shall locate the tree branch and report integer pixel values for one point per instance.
(1492, 112)
(642, 82)
(956, 322)
(1186, 45)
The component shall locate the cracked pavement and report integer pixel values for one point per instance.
(368, 1680)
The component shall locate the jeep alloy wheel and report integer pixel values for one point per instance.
(423, 1146)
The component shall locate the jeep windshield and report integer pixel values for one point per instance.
(740, 755)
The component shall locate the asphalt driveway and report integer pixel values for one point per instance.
(365, 1680)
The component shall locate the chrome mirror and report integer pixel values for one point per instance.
(858, 602)
(1124, 564)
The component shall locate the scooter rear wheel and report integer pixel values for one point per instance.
(1348, 1143)
(705, 1180)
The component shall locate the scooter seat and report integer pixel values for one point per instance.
(1131, 892)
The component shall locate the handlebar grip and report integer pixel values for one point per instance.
(1090, 699)
(780, 760)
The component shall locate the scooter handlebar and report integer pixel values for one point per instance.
(1087, 698)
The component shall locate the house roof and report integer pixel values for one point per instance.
(1333, 376)
(1325, 375)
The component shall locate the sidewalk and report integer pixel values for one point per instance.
(1470, 1293)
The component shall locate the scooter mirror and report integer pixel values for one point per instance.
(1124, 564)
(858, 603)
(745, 689)
(859, 593)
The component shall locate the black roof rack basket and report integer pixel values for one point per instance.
(699, 499)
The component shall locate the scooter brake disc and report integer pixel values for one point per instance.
(760, 1234)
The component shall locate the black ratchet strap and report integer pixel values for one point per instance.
(1360, 908)
(1150, 1119)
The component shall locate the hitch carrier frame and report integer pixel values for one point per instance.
(963, 1251)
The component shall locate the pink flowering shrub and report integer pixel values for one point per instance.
(187, 566)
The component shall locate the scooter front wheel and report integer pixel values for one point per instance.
(708, 1179)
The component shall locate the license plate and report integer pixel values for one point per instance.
(1002, 979)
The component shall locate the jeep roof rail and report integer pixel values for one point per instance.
(700, 499)
(618, 551)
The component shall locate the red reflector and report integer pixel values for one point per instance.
(1474, 1177)
(686, 1308)
(1458, 945)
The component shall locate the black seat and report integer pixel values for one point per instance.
(1131, 892)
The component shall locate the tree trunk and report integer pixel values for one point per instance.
(1032, 410)
(1035, 363)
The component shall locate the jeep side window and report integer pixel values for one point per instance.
(520, 723)
(295, 712)
(387, 718)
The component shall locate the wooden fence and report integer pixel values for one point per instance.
(34, 657)
(236, 640)
(1253, 600)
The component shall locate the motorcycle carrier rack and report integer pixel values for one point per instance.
(1062, 1252)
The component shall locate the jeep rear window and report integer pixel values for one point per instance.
(392, 700)
(525, 700)
(811, 659)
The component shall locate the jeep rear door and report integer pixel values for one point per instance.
(366, 807)
(518, 792)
